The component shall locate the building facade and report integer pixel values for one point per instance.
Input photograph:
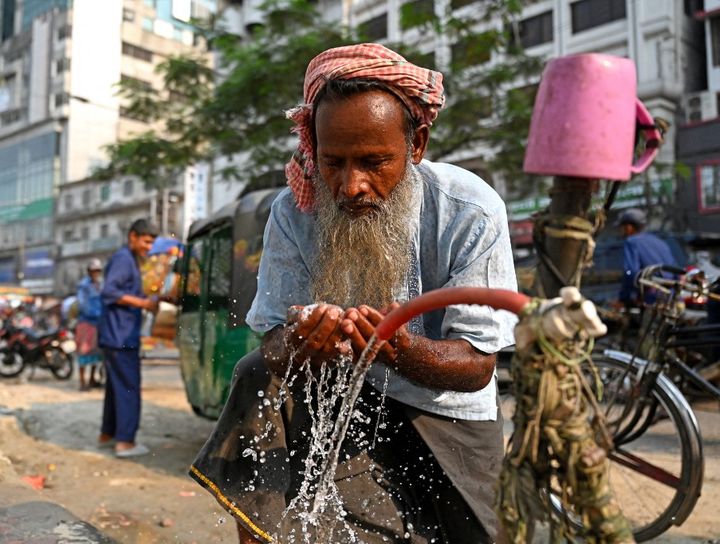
(60, 62)
(699, 136)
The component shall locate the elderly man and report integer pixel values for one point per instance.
(367, 222)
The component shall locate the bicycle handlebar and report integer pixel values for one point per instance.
(698, 287)
(673, 269)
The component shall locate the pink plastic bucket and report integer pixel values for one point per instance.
(584, 119)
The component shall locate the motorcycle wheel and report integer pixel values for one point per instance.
(11, 363)
(60, 363)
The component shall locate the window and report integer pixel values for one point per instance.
(62, 65)
(104, 230)
(128, 187)
(64, 32)
(426, 60)
(193, 277)
(470, 52)
(148, 24)
(135, 82)
(416, 13)
(67, 235)
(150, 3)
(8, 19)
(457, 4)
(84, 233)
(105, 192)
(128, 15)
(136, 52)
(536, 30)
(61, 99)
(715, 40)
(220, 270)
(375, 29)
(591, 13)
(86, 198)
(68, 202)
(708, 187)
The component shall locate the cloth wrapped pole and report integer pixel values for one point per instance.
(560, 434)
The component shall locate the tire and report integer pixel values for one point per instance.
(11, 363)
(666, 437)
(61, 364)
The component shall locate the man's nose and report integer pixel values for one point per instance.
(354, 183)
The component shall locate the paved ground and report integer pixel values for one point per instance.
(48, 428)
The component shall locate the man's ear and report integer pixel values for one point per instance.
(419, 143)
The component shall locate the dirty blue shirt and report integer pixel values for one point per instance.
(460, 239)
(119, 326)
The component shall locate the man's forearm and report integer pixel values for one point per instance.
(445, 364)
(135, 302)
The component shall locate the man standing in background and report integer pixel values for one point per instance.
(89, 310)
(640, 249)
(119, 335)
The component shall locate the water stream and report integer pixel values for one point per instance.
(318, 505)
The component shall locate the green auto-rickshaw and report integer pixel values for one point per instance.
(219, 279)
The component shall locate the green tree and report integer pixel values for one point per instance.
(238, 107)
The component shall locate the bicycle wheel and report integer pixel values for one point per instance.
(657, 462)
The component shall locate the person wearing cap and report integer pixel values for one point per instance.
(89, 310)
(123, 301)
(640, 249)
(366, 223)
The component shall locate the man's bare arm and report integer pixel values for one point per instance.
(444, 364)
(138, 302)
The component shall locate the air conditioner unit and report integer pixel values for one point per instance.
(700, 107)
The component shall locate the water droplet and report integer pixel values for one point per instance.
(249, 452)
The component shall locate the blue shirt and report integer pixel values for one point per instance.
(460, 239)
(119, 326)
(639, 251)
(89, 301)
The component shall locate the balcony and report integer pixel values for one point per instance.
(85, 247)
(108, 243)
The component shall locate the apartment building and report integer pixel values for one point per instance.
(60, 62)
(699, 134)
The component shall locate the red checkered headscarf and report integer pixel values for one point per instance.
(420, 89)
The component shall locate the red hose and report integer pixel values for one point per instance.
(499, 299)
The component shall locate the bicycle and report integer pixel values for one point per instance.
(657, 455)
(646, 400)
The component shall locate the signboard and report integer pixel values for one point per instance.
(630, 195)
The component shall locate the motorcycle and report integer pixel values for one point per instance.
(21, 348)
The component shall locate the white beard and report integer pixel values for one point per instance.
(365, 259)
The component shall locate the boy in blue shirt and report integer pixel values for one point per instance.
(119, 335)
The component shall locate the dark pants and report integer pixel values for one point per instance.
(121, 410)
(394, 491)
